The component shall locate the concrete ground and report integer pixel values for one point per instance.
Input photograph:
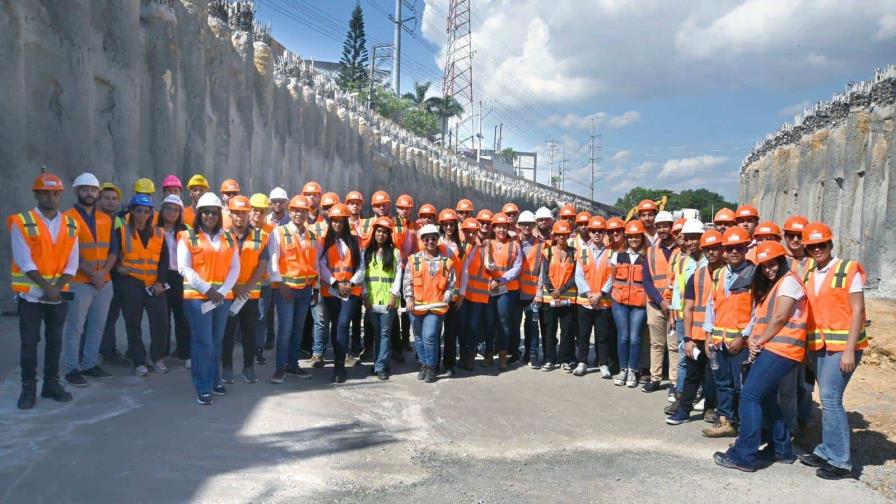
(522, 436)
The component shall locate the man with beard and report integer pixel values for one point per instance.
(92, 285)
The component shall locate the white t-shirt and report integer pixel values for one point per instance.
(792, 288)
(857, 285)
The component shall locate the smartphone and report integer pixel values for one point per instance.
(67, 295)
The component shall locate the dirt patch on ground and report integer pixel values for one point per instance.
(882, 331)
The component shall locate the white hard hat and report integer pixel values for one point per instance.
(543, 213)
(278, 193)
(664, 216)
(526, 217)
(173, 198)
(692, 226)
(209, 199)
(86, 179)
(427, 229)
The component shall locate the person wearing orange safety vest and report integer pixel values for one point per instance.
(451, 247)
(800, 262)
(531, 249)
(142, 279)
(658, 271)
(196, 186)
(592, 273)
(209, 262)
(44, 259)
(474, 289)
(836, 339)
(354, 200)
(581, 236)
(616, 235)
(727, 318)
(777, 344)
(405, 239)
(503, 264)
(626, 287)
(556, 296)
(92, 286)
(429, 287)
(464, 209)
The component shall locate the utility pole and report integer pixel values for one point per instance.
(384, 54)
(552, 146)
(594, 159)
(457, 76)
(563, 167)
(396, 43)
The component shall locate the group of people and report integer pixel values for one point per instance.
(741, 316)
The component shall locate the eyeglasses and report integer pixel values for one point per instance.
(736, 248)
(816, 246)
(428, 238)
(209, 211)
(793, 237)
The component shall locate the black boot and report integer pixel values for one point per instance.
(29, 394)
(430, 375)
(52, 389)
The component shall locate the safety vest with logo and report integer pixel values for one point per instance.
(703, 289)
(298, 258)
(731, 313)
(253, 246)
(659, 267)
(477, 279)
(504, 254)
(530, 268)
(790, 342)
(429, 289)
(340, 270)
(92, 250)
(628, 282)
(829, 311)
(559, 274)
(141, 262)
(596, 272)
(49, 258)
(211, 265)
(378, 281)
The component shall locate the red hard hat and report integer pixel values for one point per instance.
(447, 215)
(47, 182)
(583, 218)
(509, 208)
(239, 202)
(767, 228)
(484, 215)
(746, 211)
(597, 223)
(230, 185)
(710, 238)
(768, 250)
(795, 224)
(311, 188)
(427, 209)
(724, 215)
(338, 210)
(354, 196)
(329, 199)
(817, 232)
(405, 201)
(634, 228)
(380, 198)
(647, 206)
(735, 236)
(299, 202)
(561, 227)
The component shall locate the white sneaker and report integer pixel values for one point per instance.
(548, 366)
(632, 380)
(605, 372)
(534, 365)
(700, 405)
(141, 371)
(188, 364)
(580, 370)
(566, 367)
(620, 378)
(160, 367)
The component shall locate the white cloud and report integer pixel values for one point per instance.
(689, 167)
(602, 120)
(621, 156)
(887, 27)
(792, 110)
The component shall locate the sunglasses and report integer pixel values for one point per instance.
(816, 246)
(430, 238)
(736, 248)
(792, 237)
(209, 211)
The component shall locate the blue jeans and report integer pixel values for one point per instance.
(381, 323)
(85, 321)
(321, 316)
(291, 316)
(758, 401)
(341, 312)
(265, 300)
(832, 383)
(682, 369)
(427, 329)
(728, 381)
(471, 330)
(630, 322)
(506, 306)
(206, 335)
(530, 330)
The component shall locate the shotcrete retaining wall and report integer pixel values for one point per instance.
(835, 163)
(143, 88)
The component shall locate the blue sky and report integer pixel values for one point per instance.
(680, 90)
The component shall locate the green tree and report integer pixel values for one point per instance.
(421, 123)
(418, 97)
(353, 65)
(445, 108)
(704, 200)
(507, 154)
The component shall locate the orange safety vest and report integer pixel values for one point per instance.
(596, 272)
(211, 265)
(365, 231)
(790, 342)
(298, 258)
(731, 313)
(504, 259)
(477, 280)
(660, 269)
(50, 258)
(253, 246)
(800, 267)
(530, 269)
(429, 289)
(141, 262)
(703, 288)
(829, 310)
(628, 284)
(559, 273)
(189, 216)
(340, 269)
(92, 251)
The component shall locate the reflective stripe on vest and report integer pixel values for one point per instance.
(703, 288)
(790, 342)
(530, 268)
(379, 281)
(830, 312)
(559, 273)
(731, 313)
(477, 281)
(49, 258)
(628, 284)
(429, 289)
(298, 258)
(596, 275)
(504, 261)
(250, 253)
(211, 265)
(92, 250)
(659, 269)
(141, 262)
(340, 270)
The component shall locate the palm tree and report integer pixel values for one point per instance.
(418, 97)
(445, 108)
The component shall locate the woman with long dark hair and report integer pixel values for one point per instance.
(171, 222)
(341, 276)
(382, 290)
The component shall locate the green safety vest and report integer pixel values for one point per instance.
(379, 281)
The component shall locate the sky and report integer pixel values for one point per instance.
(679, 91)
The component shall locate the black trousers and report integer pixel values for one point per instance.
(696, 372)
(558, 319)
(176, 309)
(531, 322)
(597, 322)
(401, 336)
(246, 321)
(449, 330)
(108, 345)
(134, 301)
(30, 317)
(357, 345)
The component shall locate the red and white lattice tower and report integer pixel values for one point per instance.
(457, 80)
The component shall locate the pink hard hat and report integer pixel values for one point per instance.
(172, 181)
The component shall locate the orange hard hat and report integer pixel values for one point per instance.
(615, 223)
(677, 225)
(47, 182)
(597, 223)
(767, 228)
(561, 227)
(735, 235)
(817, 232)
(567, 210)
(746, 211)
(634, 228)
(769, 250)
(354, 196)
(329, 199)
(710, 238)
(337, 210)
(469, 224)
(647, 206)
(384, 222)
(509, 208)
(427, 209)
(230, 185)
(405, 201)
(795, 224)
(464, 205)
(239, 202)
(724, 215)
(299, 202)
(500, 218)
(484, 215)
(583, 218)
(447, 215)
(380, 198)
(311, 188)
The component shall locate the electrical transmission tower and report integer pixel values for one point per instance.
(457, 81)
(595, 157)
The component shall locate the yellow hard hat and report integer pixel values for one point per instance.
(259, 200)
(144, 186)
(109, 186)
(197, 181)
